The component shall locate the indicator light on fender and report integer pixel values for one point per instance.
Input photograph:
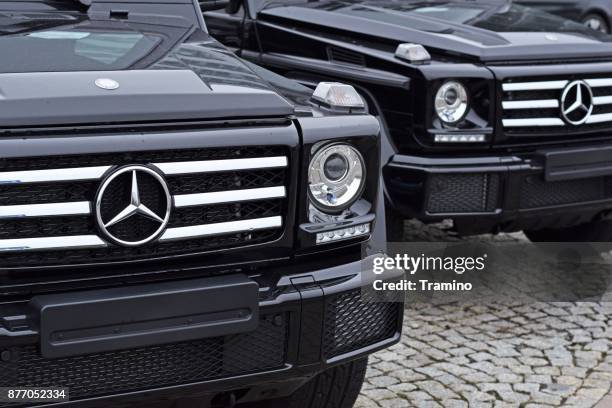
(414, 53)
(338, 95)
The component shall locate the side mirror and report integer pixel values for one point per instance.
(210, 5)
(233, 7)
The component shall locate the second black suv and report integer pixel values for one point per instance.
(176, 223)
(495, 115)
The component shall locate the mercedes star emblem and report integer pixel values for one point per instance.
(106, 83)
(133, 206)
(577, 103)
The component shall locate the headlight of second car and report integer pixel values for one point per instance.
(451, 102)
(336, 177)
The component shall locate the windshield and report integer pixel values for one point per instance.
(504, 17)
(495, 15)
(517, 18)
(51, 42)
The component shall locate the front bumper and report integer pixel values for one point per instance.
(306, 322)
(544, 189)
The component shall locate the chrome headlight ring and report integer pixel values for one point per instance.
(451, 102)
(336, 177)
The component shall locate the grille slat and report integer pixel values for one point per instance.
(170, 168)
(214, 166)
(534, 86)
(189, 200)
(71, 256)
(533, 122)
(206, 230)
(53, 175)
(153, 156)
(530, 104)
(602, 100)
(44, 210)
(232, 193)
(171, 234)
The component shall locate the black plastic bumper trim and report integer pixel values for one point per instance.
(407, 180)
(571, 164)
(113, 319)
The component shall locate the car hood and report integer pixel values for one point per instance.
(485, 30)
(68, 71)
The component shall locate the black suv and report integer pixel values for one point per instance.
(494, 115)
(176, 223)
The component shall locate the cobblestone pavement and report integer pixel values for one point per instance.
(536, 355)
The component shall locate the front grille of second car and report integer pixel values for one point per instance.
(16, 232)
(532, 107)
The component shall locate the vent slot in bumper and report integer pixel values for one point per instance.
(151, 367)
(354, 320)
(536, 192)
(463, 193)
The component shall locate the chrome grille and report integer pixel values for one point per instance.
(532, 106)
(233, 197)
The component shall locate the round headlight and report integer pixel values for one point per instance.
(336, 177)
(451, 102)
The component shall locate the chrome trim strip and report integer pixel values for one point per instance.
(208, 166)
(602, 100)
(93, 241)
(534, 104)
(46, 243)
(534, 86)
(45, 210)
(599, 82)
(600, 118)
(547, 85)
(50, 175)
(95, 173)
(535, 122)
(190, 200)
(196, 231)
